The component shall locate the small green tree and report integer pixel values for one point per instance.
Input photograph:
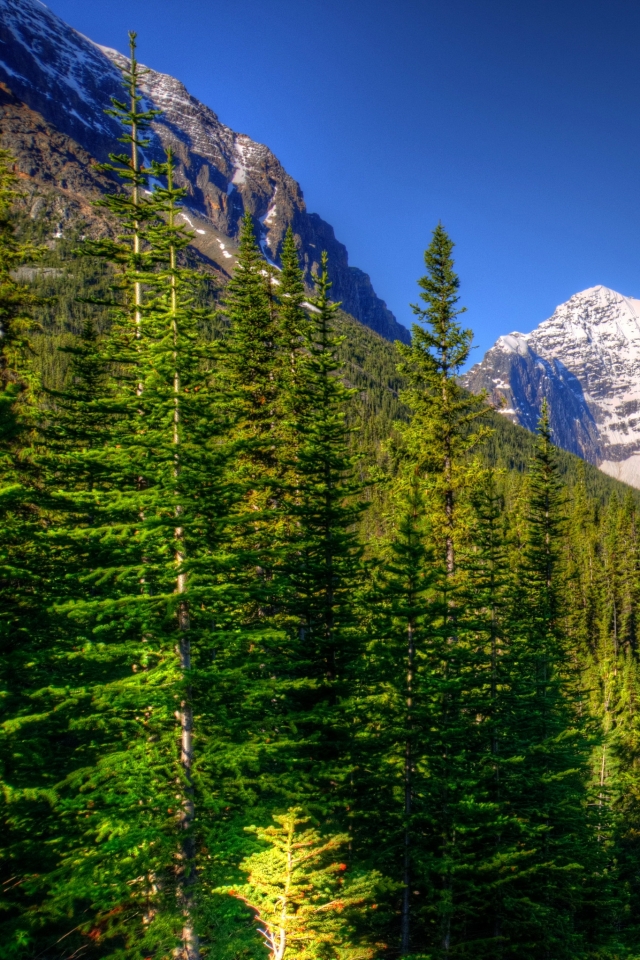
(304, 903)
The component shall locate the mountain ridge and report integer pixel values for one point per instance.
(69, 79)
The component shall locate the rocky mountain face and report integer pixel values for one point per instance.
(58, 177)
(66, 82)
(585, 360)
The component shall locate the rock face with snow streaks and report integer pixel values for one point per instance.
(69, 80)
(585, 360)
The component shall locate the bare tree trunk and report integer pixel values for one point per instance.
(448, 480)
(446, 935)
(187, 872)
(405, 940)
(448, 511)
(135, 167)
(187, 876)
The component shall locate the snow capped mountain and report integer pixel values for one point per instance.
(585, 359)
(68, 80)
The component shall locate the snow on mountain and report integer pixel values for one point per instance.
(57, 71)
(585, 359)
(69, 80)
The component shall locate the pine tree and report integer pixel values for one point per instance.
(293, 319)
(547, 790)
(394, 716)
(613, 672)
(252, 359)
(16, 301)
(441, 433)
(438, 443)
(323, 566)
(251, 353)
(299, 895)
(24, 568)
(135, 207)
(140, 529)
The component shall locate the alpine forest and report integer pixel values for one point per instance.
(306, 652)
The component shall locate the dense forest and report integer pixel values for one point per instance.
(306, 653)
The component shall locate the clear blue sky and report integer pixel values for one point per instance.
(515, 122)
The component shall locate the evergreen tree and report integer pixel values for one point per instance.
(548, 789)
(443, 413)
(16, 301)
(134, 208)
(251, 354)
(24, 566)
(438, 442)
(143, 514)
(393, 709)
(323, 566)
(298, 892)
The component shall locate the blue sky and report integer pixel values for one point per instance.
(515, 122)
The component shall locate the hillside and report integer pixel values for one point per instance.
(67, 81)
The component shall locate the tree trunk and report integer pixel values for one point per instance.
(405, 939)
(187, 871)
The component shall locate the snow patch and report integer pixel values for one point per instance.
(628, 471)
(240, 172)
(514, 343)
(13, 73)
(74, 113)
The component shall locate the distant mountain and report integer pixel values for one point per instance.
(66, 81)
(585, 360)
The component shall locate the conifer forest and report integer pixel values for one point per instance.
(307, 653)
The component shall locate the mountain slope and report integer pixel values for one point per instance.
(69, 80)
(63, 279)
(585, 360)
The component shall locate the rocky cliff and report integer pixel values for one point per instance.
(66, 81)
(585, 360)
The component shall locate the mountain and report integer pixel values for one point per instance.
(585, 360)
(66, 81)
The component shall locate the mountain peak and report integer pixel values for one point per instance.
(585, 361)
(514, 343)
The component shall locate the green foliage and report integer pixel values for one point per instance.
(440, 435)
(302, 899)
